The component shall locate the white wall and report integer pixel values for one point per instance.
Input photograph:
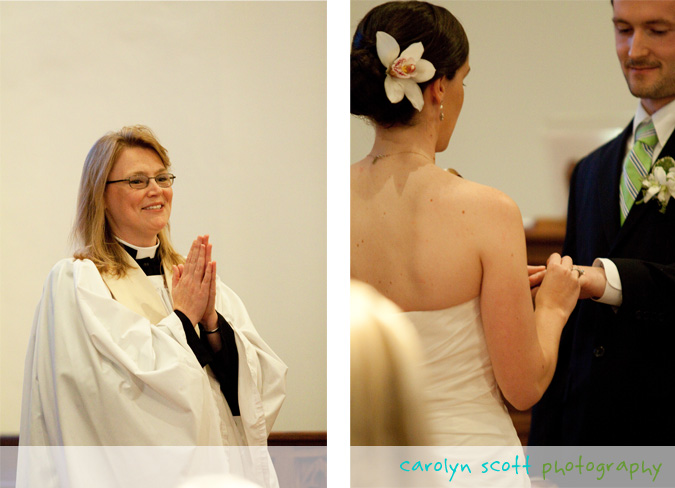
(545, 86)
(236, 93)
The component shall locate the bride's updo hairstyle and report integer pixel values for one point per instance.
(445, 46)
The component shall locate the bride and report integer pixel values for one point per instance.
(450, 252)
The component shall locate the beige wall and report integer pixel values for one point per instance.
(236, 92)
(545, 86)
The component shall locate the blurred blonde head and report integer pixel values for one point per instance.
(387, 391)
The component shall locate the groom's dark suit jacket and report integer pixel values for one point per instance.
(615, 374)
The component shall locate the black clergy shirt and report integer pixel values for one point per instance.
(224, 363)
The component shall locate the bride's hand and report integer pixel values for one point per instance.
(560, 287)
(536, 276)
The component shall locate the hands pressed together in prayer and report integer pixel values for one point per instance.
(194, 286)
(592, 279)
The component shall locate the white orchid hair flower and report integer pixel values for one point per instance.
(405, 70)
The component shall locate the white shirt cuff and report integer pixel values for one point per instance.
(613, 292)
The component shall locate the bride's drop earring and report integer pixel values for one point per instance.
(442, 114)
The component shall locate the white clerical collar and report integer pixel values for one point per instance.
(141, 252)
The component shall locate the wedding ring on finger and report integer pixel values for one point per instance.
(578, 270)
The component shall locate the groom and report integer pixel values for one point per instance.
(616, 371)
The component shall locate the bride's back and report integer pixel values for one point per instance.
(416, 232)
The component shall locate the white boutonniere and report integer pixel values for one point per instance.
(660, 183)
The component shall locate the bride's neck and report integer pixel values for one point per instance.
(404, 140)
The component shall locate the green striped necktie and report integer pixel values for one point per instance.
(636, 166)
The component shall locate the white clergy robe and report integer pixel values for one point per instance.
(109, 365)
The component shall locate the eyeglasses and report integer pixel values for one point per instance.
(165, 180)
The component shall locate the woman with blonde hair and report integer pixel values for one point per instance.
(92, 230)
(450, 252)
(132, 344)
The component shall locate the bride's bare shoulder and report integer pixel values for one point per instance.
(472, 190)
(478, 199)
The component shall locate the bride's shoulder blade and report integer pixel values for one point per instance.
(477, 195)
(489, 211)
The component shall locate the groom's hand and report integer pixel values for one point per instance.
(536, 276)
(593, 282)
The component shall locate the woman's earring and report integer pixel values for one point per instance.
(442, 115)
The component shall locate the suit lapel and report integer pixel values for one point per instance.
(638, 211)
(607, 191)
(136, 292)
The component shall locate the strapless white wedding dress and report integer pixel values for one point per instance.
(464, 402)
